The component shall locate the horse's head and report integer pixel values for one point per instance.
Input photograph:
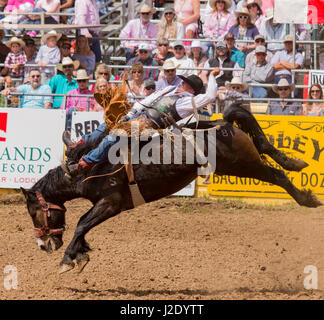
(48, 220)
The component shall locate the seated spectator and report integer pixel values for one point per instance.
(48, 54)
(170, 77)
(244, 29)
(34, 87)
(78, 103)
(63, 83)
(149, 87)
(169, 27)
(144, 57)
(261, 72)
(83, 53)
(87, 13)
(218, 21)
(314, 109)
(16, 59)
(282, 61)
(258, 41)
(235, 54)
(103, 71)
(100, 86)
(182, 60)
(290, 108)
(255, 10)
(136, 84)
(67, 6)
(162, 52)
(221, 60)
(65, 48)
(3, 4)
(197, 56)
(188, 13)
(139, 28)
(273, 31)
(4, 50)
(31, 53)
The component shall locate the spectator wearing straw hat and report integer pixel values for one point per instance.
(139, 28)
(49, 53)
(255, 10)
(259, 72)
(63, 83)
(16, 59)
(170, 77)
(283, 108)
(235, 54)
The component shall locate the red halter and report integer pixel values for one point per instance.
(46, 206)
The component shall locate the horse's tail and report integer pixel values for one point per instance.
(247, 123)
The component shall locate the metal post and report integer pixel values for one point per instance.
(42, 18)
(131, 10)
(123, 13)
(294, 56)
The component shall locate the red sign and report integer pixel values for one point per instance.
(3, 124)
(315, 12)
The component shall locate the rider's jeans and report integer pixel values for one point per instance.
(96, 135)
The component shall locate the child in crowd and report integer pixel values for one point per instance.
(16, 58)
(48, 54)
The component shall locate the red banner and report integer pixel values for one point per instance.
(315, 12)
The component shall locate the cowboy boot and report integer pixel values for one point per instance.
(70, 145)
(81, 166)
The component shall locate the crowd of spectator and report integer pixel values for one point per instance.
(65, 66)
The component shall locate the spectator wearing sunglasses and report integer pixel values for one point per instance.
(144, 57)
(258, 41)
(135, 86)
(149, 87)
(255, 10)
(244, 29)
(284, 108)
(139, 28)
(33, 87)
(162, 52)
(314, 109)
(170, 78)
(104, 72)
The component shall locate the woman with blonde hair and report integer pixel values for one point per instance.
(169, 27)
(136, 84)
(100, 86)
(103, 71)
(314, 108)
(84, 54)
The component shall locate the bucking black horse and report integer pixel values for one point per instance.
(239, 155)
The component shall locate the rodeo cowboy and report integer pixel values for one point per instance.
(172, 102)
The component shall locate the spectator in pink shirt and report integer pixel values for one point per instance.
(139, 28)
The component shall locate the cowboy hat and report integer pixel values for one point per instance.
(51, 33)
(169, 9)
(283, 83)
(243, 11)
(194, 82)
(236, 81)
(168, 65)
(146, 9)
(248, 2)
(289, 38)
(67, 61)
(269, 14)
(196, 44)
(228, 4)
(15, 40)
(81, 75)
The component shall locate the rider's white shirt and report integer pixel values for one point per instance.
(184, 104)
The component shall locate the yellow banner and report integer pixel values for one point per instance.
(298, 137)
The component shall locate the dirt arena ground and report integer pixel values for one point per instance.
(176, 248)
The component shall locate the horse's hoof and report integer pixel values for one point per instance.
(66, 268)
(82, 262)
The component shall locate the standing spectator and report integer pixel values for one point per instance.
(136, 84)
(87, 13)
(221, 60)
(258, 41)
(67, 6)
(261, 72)
(255, 10)
(16, 59)
(170, 76)
(139, 28)
(83, 53)
(235, 54)
(282, 61)
(197, 55)
(34, 87)
(31, 53)
(244, 29)
(144, 57)
(188, 13)
(182, 60)
(162, 53)
(49, 53)
(218, 21)
(273, 31)
(284, 108)
(314, 109)
(103, 71)
(169, 27)
(63, 83)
